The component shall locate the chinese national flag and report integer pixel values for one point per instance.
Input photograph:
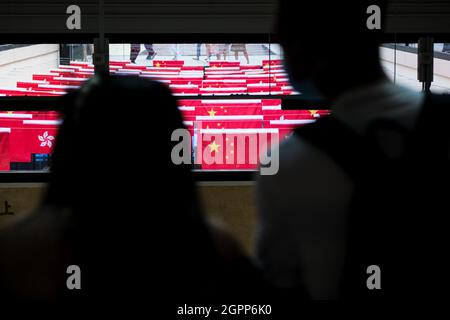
(227, 110)
(271, 104)
(286, 127)
(288, 115)
(210, 150)
(272, 62)
(242, 124)
(4, 149)
(231, 149)
(168, 63)
(218, 64)
(223, 84)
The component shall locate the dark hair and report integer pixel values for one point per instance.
(328, 43)
(131, 205)
(329, 25)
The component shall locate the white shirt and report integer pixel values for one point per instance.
(303, 208)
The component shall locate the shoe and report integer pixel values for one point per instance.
(133, 62)
(197, 58)
(151, 56)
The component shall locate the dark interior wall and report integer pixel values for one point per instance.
(142, 16)
(418, 16)
(195, 16)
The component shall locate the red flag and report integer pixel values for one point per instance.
(227, 110)
(41, 134)
(5, 159)
(218, 64)
(231, 149)
(168, 63)
(242, 124)
(34, 136)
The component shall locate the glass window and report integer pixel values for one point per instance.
(399, 61)
(206, 69)
(441, 81)
(43, 69)
(220, 90)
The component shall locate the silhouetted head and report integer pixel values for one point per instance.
(135, 213)
(328, 43)
(116, 132)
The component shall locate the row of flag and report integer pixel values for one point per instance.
(218, 78)
(226, 133)
(215, 126)
(235, 134)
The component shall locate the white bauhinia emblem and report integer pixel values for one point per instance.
(46, 140)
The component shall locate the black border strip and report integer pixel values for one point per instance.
(199, 176)
(25, 103)
(19, 38)
(294, 102)
(24, 177)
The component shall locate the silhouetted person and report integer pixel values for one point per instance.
(198, 51)
(119, 208)
(361, 188)
(135, 49)
(240, 47)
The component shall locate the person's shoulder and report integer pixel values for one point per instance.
(297, 155)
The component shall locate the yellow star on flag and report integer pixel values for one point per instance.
(10, 112)
(313, 112)
(266, 66)
(214, 147)
(158, 64)
(212, 113)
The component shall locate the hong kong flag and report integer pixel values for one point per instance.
(35, 136)
(5, 158)
(14, 121)
(42, 134)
